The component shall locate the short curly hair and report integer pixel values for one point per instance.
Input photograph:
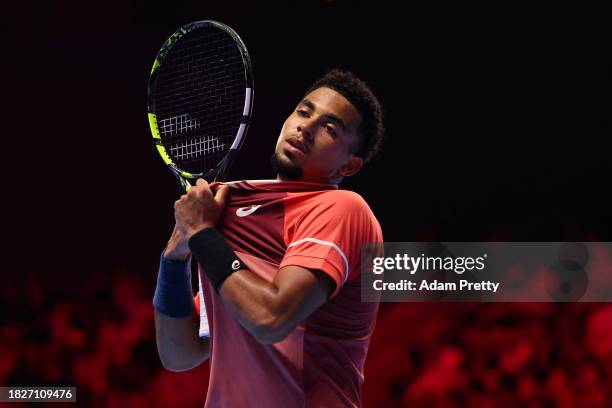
(363, 99)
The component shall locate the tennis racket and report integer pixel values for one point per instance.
(200, 100)
(199, 103)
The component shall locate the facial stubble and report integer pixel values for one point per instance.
(285, 167)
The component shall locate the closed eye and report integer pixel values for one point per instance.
(331, 130)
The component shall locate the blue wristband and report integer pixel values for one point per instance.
(174, 294)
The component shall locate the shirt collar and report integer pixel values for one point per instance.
(277, 185)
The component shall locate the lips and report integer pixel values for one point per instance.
(297, 144)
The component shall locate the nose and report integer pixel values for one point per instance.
(306, 129)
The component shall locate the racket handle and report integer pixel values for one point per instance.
(204, 330)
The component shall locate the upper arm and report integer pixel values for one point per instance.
(329, 234)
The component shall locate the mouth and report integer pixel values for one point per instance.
(297, 144)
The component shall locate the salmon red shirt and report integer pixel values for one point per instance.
(271, 224)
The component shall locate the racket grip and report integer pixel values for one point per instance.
(204, 330)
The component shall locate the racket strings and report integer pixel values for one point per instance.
(200, 98)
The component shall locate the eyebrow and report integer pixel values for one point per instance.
(330, 116)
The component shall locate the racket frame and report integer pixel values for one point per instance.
(219, 172)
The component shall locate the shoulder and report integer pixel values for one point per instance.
(332, 209)
(341, 207)
(342, 200)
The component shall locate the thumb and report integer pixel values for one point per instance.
(222, 195)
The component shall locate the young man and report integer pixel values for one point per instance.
(279, 264)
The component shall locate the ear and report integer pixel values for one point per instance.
(352, 165)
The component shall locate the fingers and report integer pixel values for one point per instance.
(203, 186)
(222, 195)
(200, 190)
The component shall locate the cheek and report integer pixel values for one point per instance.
(281, 136)
(330, 155)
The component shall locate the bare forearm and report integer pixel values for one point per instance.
(268, 310)
(255, 303)
(178, 344)
(177, 248)
(271, 310)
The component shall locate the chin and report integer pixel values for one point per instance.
(285, 167)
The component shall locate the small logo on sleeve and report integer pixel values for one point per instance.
(236, 265)
(244, 211)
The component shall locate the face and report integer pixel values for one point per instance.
(317, 139)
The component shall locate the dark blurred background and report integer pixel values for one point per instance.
(498, 125)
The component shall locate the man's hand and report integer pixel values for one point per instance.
(199, 208)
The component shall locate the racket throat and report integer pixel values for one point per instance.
(220, 172)
(216, 174)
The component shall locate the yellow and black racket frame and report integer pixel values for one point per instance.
(220, 171)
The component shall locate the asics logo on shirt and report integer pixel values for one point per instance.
(244, 211)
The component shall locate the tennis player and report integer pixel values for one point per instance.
(279, 264)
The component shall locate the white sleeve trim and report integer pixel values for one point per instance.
(330, 244)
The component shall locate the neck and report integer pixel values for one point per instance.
(335, 181)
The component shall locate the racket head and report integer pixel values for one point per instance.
(200, 100)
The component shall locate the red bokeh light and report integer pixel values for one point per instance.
(100, 338)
